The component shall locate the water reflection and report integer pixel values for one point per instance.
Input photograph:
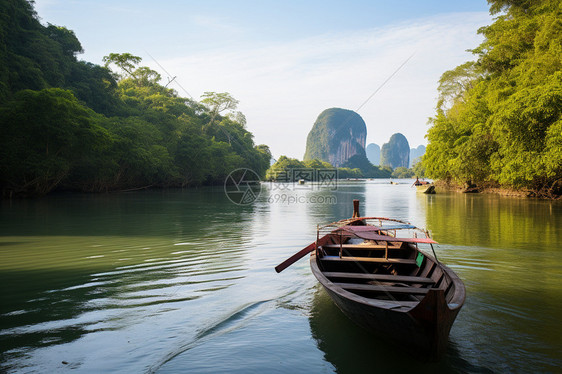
(495, 221)
(498, 246)
(506, 252)
(351, 350)
(77, 265)
(131, 282)
(319, 203)
(149, 213)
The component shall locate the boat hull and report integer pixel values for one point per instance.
(426, 188)
(383, 281)
(422, 329)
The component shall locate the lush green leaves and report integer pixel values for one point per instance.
(284, 165)
(218, 102)
(502, 121)
(124, 61)
(44, 135)
(402, 172)
(418, 168)
(102, 130)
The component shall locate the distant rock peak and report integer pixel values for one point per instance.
(396, 153)
(337, 135)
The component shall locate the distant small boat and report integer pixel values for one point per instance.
(392, 182)
(424, 186)
(385, 283)
(302, 181)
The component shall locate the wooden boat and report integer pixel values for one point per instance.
(428, 188)
(385, 283)
(424, 186)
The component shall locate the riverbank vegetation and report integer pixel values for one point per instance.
(402, 173)
(67, 124)
(294, 169)
(498, 120)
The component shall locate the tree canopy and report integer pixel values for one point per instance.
(402, 172)
(498, 118)
(73, 125)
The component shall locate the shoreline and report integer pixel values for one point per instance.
(442, 185)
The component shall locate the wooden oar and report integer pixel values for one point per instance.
(300, 254)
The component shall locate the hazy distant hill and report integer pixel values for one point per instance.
(373, 152)
(416, 153)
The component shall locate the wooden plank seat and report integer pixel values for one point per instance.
(379, 277)
(408, 261)
(360, 246)
(367, 235)
(390, 289)
(364, 228)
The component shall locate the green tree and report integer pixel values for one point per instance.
(283, 165)
(44, 135)
(66, 38)
(499, 124)
(418, 168)
(453, 84)
(218, 102)
(68, 124)
(402, 172)
(344, 173)
(126, 62)
(317, 164)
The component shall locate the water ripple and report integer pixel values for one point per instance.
(234, 320)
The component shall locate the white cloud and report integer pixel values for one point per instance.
(283, 87)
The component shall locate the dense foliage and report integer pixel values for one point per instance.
(368, 170)
(396, 153)
(294, 169)
(286, 168)
(402, 173)
(498, 119)
(418, 168)
(69, 124)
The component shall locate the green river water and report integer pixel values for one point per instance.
(175, 281)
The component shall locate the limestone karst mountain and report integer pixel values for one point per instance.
(396, 153)
(337, 135)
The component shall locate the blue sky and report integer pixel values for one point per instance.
(286, 61)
